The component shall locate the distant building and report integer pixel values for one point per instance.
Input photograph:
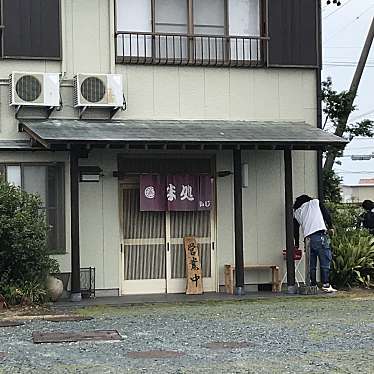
(364, 190)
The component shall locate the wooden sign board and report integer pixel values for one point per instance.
(193, 267)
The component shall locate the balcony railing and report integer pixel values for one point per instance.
(184, 49)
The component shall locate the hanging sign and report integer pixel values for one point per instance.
(194, 284)
(152, 193)
(176, 193)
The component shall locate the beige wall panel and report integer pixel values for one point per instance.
(90, 53)
(192, 91)
(217, 88)
(33, 66)
(140, 92)
(266, 89)
(91, 228)
(225, 214)
(8, 122)
(250, 210)
(241, 94)
(310, 174)
(298, 172)
(166, 93)
(68, 38)
(111, 224)
(270, 205)
(310, 117)
(309, 89)
(291, 102)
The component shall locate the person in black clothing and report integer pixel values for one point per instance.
(367, 218)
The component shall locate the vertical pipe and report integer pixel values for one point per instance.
(112, 36)
(319, 99)
(74, 209)
(238, 222)
(289, 220)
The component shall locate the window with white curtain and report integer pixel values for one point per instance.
(171, 17)
(212, 22)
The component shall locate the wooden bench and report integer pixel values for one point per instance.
(230, 280)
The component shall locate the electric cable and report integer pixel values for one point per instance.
(337, 9)
(349, 24)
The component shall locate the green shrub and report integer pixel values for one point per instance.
(353, 248)
(345, 216)
(25, 263)
(28, 293)
(353, 259)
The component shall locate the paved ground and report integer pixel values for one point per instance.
(277, 335)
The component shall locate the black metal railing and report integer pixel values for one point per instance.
(184, 49)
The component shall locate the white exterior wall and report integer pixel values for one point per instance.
(155, 92)
(358, 193)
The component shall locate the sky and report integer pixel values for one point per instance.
(343, 36)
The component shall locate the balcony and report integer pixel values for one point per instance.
(147, 48)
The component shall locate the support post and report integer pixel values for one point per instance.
(291, 288)
(74, 209)
(238, 222)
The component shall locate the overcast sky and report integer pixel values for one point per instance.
(344, 33)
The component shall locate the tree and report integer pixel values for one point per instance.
(337, 108)
(331, 186)
(25, 263)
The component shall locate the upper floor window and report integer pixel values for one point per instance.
(30, 29)
(197, 32)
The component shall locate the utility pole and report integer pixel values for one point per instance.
(340, 129)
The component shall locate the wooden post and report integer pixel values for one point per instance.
(74, 209)
(289, 220)
(238, 222)
(193, 267)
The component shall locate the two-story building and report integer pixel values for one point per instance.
(140, 122)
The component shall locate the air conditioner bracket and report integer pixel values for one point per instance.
(49, 110)
(81, 111)
(114, 111)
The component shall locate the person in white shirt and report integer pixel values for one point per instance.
(314, 220)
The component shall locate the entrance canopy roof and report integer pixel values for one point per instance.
(60, 134)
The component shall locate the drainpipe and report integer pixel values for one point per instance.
(238, 222)
(288, 201)
(319, 100)
(74, 209)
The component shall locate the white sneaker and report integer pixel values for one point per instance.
(328, 289)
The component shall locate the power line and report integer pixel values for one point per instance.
(354, 118)
(340, 47)
(346, 65)
(353, 172)
(345, 61)
(349, 24)
(337, 9)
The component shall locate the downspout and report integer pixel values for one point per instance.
(112, 40)
(319, 99)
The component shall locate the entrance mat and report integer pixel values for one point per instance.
(11, 323)
(71, 336)
(67, 318)
(155, 354)
(227, 345)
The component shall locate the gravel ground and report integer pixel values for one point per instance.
(298, 335)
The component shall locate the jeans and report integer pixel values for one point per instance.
(320, 247)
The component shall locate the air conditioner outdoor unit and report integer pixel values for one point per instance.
(98, 90)
(34, 89)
